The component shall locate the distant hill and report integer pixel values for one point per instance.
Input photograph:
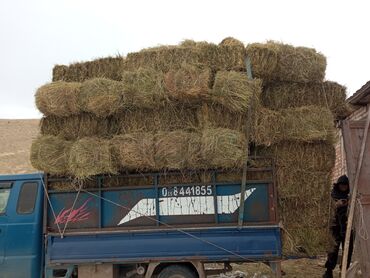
(15, 142)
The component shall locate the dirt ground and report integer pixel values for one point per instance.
(15, 142)
(299, 268)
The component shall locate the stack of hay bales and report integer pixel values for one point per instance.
(296, 94)
(186, 107)
(151, 118)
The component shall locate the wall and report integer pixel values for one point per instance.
(340, 161)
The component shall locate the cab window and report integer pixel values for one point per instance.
(4, 196)
(27, 198)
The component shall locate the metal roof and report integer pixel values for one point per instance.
(362, 96)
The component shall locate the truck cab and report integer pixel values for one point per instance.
(21, 207)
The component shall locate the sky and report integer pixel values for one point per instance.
(35, 35)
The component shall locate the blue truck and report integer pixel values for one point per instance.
(137, 225)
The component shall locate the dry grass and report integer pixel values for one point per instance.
(304, 124)
(58, 98)
(102, 97)
(282, 95)
(202, 54)
(235, 91)
(144, 88)
(303, 178)
(223, 148)
(188, 84)
(50, 154)
(273, 61)
(176, 149)
(134, 151)
(110, 67)
(311, 157)
(169, 118)
(91, 156)
(79, 126)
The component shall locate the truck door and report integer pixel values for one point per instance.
(5, 188)
(23, 242)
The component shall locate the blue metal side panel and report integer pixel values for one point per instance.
(138, 207)
(252, 243)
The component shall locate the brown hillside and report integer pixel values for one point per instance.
(15, 143)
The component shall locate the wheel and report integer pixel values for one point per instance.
(177, 271)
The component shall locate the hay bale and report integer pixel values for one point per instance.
(203, 54)
(311, 241)
(282, 95)
(235, 91)
(167, 118)
(303, 178)
(305, 212)
(305, 124)
(188, 84)
(216, 116)
(102, 97)
(223, 148)
(109, 67)
(296, 182)
(177, 150)
(59, 73)
(310, 157)
(134, 151)
(58, 98)
(91, 156)
(50, 154)
(144, 88)
(79, 126)
(230, 41)
(273, 61)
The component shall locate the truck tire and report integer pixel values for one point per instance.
(177, 271)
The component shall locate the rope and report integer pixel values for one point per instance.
(171, 227)
(71, 211)
(51, 206)
(362, 231)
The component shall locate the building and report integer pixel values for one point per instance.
(359, 102)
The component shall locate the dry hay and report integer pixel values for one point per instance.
(91, 156)
(282, 95)
(273, 61)
(223, 148)
(167, 118)
(311, 157)
(58, 98)
(295, 182)
(79, 126)
(202, 54)
(50, 154)
(216, 116)
(134, 151)
(305, 124)
(311, 241)
(102, 97)
(144, 88)
(188, 84)
(306, 212)
(177, 150)
(235, 91)
(110, 67)
(123, 181)
(230, 41)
